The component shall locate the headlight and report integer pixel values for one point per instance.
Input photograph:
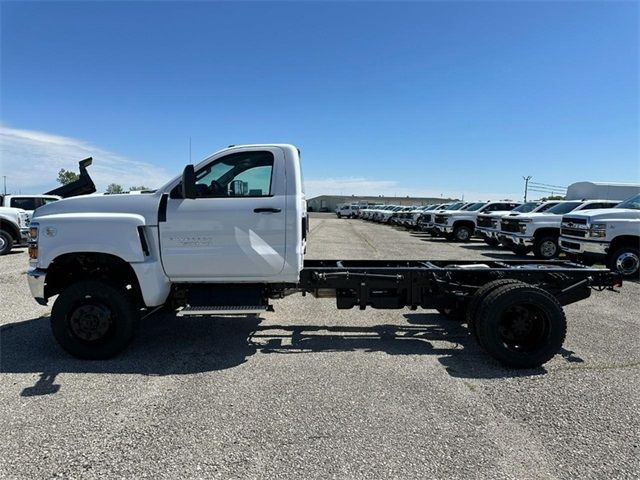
(523, 227)
(33, 233)
(598, 230)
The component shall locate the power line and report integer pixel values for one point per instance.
(547, 185)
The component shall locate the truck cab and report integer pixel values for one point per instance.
(610, 235)
(238, 216)
(540, 232)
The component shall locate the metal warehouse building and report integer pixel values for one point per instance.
(328, 203)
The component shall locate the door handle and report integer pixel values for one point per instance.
(266, 210)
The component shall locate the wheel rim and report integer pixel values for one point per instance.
(548, 249)
(523, 328)
(462, 234)
(3, 243)
(91, 321)
(627, 264)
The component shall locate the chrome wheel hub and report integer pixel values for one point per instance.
(627, 263)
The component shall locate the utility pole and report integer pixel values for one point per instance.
(4, 177)
(526, 185)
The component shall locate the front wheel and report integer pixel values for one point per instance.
(546, 248)
(94, 320)
(6, 242)
(625, 261)
(462, 233)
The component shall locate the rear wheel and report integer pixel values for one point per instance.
(6, 242)
(626, 261)
(480, 295)
(462, 233)
(94, 319)
(546, 248)
(521, 326)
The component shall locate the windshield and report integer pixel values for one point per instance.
(526, 207)
(632, 203)
(563, 208)
(475, 206)
(545, 206)
(455, 206)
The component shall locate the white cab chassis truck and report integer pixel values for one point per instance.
(610, 235)
(229, 235)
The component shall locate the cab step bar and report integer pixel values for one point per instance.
(221, 310)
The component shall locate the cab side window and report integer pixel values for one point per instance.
(24, 203)
(242, 174)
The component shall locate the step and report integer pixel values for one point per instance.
(221, 310)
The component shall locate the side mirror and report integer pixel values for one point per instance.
(189, 182)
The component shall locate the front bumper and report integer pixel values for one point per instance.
(516, 240)
(36, 279)
(484, 232)
(444, 228)
(24, 236)
(580, 246)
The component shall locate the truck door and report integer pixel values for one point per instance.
(235, 227)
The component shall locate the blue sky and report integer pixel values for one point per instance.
(408, 98)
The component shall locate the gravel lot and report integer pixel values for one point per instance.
(313, 392)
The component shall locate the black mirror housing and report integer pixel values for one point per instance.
(189, 182)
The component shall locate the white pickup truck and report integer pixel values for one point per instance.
(229, 235)
(14, 224)
(461, 225)
(611, 235)
(488, 224)
(540, 231)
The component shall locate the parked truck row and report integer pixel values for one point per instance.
(587, 231)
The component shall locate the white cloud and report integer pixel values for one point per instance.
(372, 187)
(31, 161)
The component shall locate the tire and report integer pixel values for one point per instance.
(520, 250)
(478, 298)
(625, 261)
(546, 248)
(462, 233)
(94, 320)
(6, 242)
(521, 326)
(492, 242)
(448, 236)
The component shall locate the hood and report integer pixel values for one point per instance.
(607, 214)
(145, 205)
(542, 217)
(496, 214)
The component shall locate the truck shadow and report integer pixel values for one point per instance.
(175, 346)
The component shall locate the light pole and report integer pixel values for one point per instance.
(526, 185)
(4, 178)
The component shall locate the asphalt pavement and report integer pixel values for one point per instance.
(309, 391)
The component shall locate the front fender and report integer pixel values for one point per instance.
(112, 233)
